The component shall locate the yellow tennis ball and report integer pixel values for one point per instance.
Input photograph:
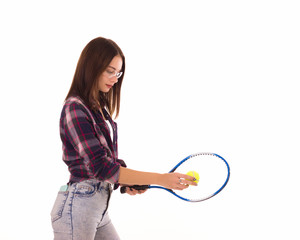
(195, 175)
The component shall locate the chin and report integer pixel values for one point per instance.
(104, 90)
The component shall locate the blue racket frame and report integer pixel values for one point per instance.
(173, 169)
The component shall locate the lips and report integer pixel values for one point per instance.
(109, 86)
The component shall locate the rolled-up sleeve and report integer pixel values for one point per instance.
(87, 156)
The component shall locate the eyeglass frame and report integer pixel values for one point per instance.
(114, 73)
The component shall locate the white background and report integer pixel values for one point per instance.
(217, 76)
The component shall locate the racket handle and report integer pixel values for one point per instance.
(136, 187)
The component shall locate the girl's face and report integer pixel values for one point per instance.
(110, 75)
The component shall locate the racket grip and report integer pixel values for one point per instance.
(136, 187)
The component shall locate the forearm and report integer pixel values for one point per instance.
(133, 177)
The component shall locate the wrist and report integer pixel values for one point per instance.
(159, 179)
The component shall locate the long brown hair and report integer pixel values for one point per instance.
(93, 61)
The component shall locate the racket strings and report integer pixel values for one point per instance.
(213, 171)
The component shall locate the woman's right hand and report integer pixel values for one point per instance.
(176, 181)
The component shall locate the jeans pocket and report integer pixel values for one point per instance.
(85, 190)
(59, 205)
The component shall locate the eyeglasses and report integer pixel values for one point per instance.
(113, 73)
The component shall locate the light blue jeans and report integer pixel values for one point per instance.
(80, 212)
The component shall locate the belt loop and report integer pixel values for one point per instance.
(105, 185)
(98, 186)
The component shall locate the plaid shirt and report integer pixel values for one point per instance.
(88, 149)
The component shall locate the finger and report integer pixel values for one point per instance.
(188, 182)
(130, 191)
(133, 191)
(142, 191)
(187, 179)
(181, 184)
(181, 187)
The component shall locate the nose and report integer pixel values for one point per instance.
(114, 79)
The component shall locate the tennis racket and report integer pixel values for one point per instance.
(214, 173)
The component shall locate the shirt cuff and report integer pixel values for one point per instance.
(123, 164)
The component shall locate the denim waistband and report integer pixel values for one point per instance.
(104, 185)
(97, 185)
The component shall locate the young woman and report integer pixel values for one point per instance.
(90, 150)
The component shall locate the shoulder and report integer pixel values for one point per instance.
(74, 107)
